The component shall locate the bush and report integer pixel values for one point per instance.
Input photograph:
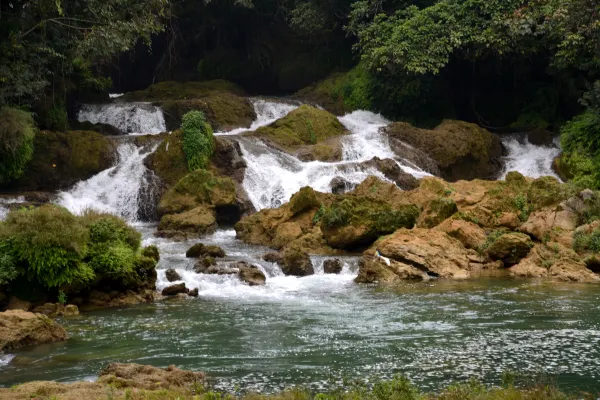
(580, 140)
(198, 141)
(586, 241)
(17, 131)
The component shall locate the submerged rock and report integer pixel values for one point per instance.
(250, 274)
(172, 275)
(201, 266)
(21, 328)
(193, 292)
(333, 266)
(175, 289)
(200, 250)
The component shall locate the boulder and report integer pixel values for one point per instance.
(195, 222)
(340, 185)
(392, 171)
(146, 377)
(429, 251)
(200, 250)
(461, 150)
(271, 257)
(71, 310)
(510, 248)
(542, 223)
(333, 266)
(376, 269)
(201, 266)
(295, 262)
(175, 289)
(570, 270)
(286, 233)
(172, 275)
(436, 211)
(216, 270)
(193, 292)
(20, 328)
(469, 234)
(14, 303)
(250, 274)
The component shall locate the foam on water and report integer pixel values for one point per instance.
(130, 118)
(267, 112)
(116, 190)
(8, 200)
(530, 160)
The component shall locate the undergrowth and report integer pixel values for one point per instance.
(17, 133)
(198, 141)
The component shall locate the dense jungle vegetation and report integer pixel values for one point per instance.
(509, 65)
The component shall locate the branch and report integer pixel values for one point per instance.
(57, 20)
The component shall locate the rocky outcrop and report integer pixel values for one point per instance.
(390, 169)
(469, 234)
(98, 299)
(376, 269)
(296, 262)
(307, 132)
(461, 150)
(436, 211)
(174, 290)
(250, 274)
(61, 159)
(21, 328)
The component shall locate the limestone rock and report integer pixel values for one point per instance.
(201, 250)
(193, 292)
(250, 274)
(333, 266)
(175, 289)
(205, 263)
(71, 310)
(286, 233)
(570, 270)
(436, 212)
(147, 377)
(374, 269)
(295, 262)
(15, 303)
(20, 328)
(272, 257)
(197, 221)
(510, 248)
(469, 234)
(542, 223)
(340, 185)
(390, 169)
(172, 275)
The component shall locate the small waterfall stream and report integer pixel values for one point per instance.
(130, 118)
(529, 159)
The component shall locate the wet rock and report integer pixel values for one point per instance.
(50, 309)
(297, 263)
(286, 233)
(200, 250)
(175, 289)
(172, 275)
(305, 199)
(542, 223)
(436, 211)
(148, 378)
(469, 234)
(250, 274)
(510, 248)
(375, 269)
(333, 266)
(430, 251)
(20, 328)
(272, 257)
(216, 270)
(201, 266)
(193, 292)
(391, 170)
(71, 310)
(541, 137)
(340, 185)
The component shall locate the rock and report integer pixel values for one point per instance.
(151, 252)
(197, 222)
(295, 262)
(333, 266)
(229, 159)
(62, 159)
(99, 300)
(437, 211)
(374, 269)
(461, 150)
(541, 137)
(148, 378)
(172, 275)
(570, 270)
(17, 304)
(71, 310)
(286, 233)
(20, 328)
(193, 292)
(201, 266)
(469, 234)
(272, 257)
(542, 223)
(510, 248)
(587, 195)
(250, 274)
(175, 289)
(215, 270)
(390, 169)
(50, 309)
(430, 251)
(509, 220)
(340, 185)
(200, 250)
(305, 199)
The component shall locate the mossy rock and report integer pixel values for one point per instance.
(197, 221)
(355, 222)
(61, 159)
(510, 248)
(168, 161)
(436, 212)
(304, 200)
(306, 125)
(545, 191)
(196, 188)
(461, 149)
(171, 90)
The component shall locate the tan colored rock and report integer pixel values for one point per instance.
(20, 328)
(431, 251)
(147, 377)
(250, 274)
(17, 304)
(540, 224)
(286, 233)
(436, 211)
(197, 221)
(570, 270)
(509, 220)
(296, 262)
(468, 233)
(71, 310)
(510, 248)
(375, 269)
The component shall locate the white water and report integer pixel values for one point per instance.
(530, 160)
(8, 200)
(115, 190)
(130, 118)
(267, 112)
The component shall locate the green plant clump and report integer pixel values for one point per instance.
(52, 248)
(17, 132)
(580, 140)
(198, 140)
(587, 241)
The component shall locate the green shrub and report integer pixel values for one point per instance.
(587, 241)
(198, 141)
(116, 260)
(17, 132)
(8, 266)
(580, 140)
(106, 228)
(151, 252)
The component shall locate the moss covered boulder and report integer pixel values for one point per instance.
(306, 130)
(222, 102)
(436, 211)
(461, 150)
(509, 248)
(20, 328)
(168, 161)
(61, 159)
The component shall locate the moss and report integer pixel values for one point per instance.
(17, 132)
(198, 187)
(170, 90)
(305, 125)
(304, 200)
(151, 252)
(62, 159)
(437, 211)
(545, 191)
(168, 161)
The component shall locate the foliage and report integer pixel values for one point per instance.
(17, 132)
(580, 140)
(198, 141)
(62, 297)
(522, 206)
(586, 241)
(53, 248)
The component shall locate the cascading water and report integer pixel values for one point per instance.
(129, 118)
(530, 160)
(8, 200)
(267, 111)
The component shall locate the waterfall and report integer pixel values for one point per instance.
(118, 190)
(129, 118)
(8, 200)
(267, 112)
(530, 160)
